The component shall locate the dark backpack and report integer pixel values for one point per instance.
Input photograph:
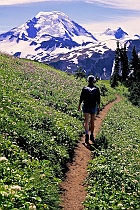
(90, 96)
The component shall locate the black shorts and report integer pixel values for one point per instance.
(92, 110)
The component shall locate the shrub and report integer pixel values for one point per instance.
(134, 96)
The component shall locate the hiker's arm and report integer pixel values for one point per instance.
(98, 100)
(98, 107)
(80, 100)
(79, 106)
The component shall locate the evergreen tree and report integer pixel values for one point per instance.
(113, 80)
(134, 96)
(134, 87)
(135, 65)
(138, 73)
(115, 76)
(80, 73)
(124, 64)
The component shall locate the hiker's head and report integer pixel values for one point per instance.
(91, 79)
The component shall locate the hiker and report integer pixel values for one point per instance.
(90, 96)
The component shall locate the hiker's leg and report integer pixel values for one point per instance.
(86, 122)
(92, 123)
(86, 126)
(92, 127)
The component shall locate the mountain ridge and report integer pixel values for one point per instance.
(55, 39)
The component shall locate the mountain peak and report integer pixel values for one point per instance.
(50, 25)
(58, 24)
(117, 33)
(54, 14)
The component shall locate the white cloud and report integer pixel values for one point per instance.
(121, 4)
(12, 2)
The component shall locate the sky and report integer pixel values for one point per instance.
(94, 15)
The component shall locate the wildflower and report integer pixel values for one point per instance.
(24, 161)
(32, 207)
(16, 187)
(6, 186)
(4, 194)
(135, 181)
(120, 204)
(3, 159)
(43, 175)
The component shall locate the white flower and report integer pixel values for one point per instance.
(3, 159)
(32, 207)
(120, 205)
(16, 187)
(25, 161)
(43, 175)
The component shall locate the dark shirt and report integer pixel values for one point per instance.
(90, 95)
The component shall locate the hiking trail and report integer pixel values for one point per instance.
(74, 190)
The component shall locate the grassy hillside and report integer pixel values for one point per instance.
(39, 128)
(114, 172)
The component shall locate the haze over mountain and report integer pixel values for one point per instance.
(55, 39)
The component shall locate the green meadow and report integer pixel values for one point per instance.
(114, 171)
(39, 129)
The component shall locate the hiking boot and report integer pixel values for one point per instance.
(92, 137)
(87, 139)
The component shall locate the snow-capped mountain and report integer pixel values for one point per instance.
(137, 36)
(53, 24)
(118, 34)
(110, 36)
(55, 39)
(47, 31)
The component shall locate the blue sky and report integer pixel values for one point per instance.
(93, 15)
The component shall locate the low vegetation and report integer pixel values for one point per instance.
(114, 171)
(39, 129)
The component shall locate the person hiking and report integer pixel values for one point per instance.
(90, 96)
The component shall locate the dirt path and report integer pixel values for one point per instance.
(74, 189)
